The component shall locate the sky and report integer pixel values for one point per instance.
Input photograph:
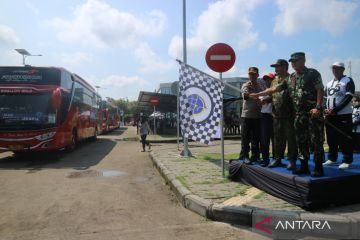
(127, 46)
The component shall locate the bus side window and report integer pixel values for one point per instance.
(66, 80)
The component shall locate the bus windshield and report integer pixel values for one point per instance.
(26, 111)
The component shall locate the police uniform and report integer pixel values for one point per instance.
(305, 85)
(250, 117)
(338, 95)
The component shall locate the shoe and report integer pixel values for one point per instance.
(318, 170)
(317, 173)
(329, 163)
(276, 163)
(292, 165)
(304, 168)
(143, 150)
(264, 163)
(247, 161)
(344, 166)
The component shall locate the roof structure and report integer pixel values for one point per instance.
(167, 102)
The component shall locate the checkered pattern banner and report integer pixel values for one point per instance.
(200, 99)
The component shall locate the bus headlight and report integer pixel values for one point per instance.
(45, 136)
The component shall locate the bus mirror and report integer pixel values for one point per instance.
(56, 98)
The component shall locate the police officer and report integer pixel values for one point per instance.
(283, 115)
(250, 116)
(339, 92)
(308, 93)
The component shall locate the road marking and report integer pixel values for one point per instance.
(220, 57)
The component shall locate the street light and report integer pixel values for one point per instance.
(25, 54)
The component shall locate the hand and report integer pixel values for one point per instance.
(329, 112)
(253, 95)
(258, 102)
(315, 113)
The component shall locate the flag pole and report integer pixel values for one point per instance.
(185, 152)
(222, 136)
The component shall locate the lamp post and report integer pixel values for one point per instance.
(25, 54)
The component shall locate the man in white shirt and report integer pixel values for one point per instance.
(339, 93)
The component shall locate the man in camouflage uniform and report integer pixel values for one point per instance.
(308, 93)
(283, 115)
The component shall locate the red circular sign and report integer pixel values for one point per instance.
(154, 101)
(220, 57)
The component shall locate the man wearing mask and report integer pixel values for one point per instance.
(338, 112)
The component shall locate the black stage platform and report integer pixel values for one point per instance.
(337, 187)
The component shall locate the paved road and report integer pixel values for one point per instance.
(103, 190)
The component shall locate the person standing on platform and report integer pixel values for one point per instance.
(266, 132)
(356, 123)
(283, 115)
(308, 94)
(339, 93)
(250, 116)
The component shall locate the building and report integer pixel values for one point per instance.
(166, 88)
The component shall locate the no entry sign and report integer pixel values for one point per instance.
(154, 101)
(220, 57)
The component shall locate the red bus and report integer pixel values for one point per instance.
(45, 108)
(110, 116)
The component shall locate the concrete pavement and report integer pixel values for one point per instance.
(198, 185)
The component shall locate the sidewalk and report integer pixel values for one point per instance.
(199, 186)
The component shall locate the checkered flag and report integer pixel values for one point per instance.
(200, 98)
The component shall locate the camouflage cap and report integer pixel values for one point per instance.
(280, 62)
(296, 56)
(253, 70)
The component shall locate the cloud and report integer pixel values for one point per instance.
(117, 81)
(150, 62)
(262, 47)
(96, 23)
(332, 16)
(32, 7)
(8, 36)
(223, 21)
(75, 59)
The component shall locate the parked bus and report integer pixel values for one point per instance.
(110, 116)
(45, 108)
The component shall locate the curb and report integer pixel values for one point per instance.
(348, 227)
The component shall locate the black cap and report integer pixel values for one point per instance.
(296, 56)
(253, 70)
(280, 62)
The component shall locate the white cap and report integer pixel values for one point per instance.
(338, 64)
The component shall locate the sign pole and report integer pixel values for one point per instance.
(222, 137)
(220, 58)
(185, 152)
(154, 122)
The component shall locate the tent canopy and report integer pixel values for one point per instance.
(167, 102)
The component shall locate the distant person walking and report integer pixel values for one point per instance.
(144, 131)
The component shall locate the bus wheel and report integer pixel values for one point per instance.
(94, 138)
(73, 144)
